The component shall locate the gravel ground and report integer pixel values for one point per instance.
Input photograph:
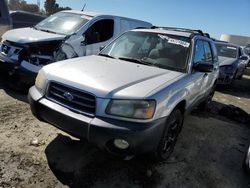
(209, 151)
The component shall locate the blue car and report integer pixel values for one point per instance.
(231, 62)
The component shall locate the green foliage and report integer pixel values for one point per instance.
(23, 5)
(52, 7)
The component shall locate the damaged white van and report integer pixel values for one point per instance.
(64, 35)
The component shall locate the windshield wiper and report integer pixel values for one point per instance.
(106, 55)
(48, 31)
(134, 60)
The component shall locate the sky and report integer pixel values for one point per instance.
(212, 16)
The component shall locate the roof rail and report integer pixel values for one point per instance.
(193, 31)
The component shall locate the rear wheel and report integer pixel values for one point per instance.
(170, 135)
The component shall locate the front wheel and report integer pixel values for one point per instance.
(170, 135)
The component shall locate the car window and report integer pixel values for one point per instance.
(215, 53)
(199, 55)
(226, 50)
(208, 52)
(100, 31)
(161, 50)
(240, 52)
(63, 23)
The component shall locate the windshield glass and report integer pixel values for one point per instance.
(63, 23)
(153, 49)
(226, 50)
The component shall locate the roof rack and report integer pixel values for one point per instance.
(193, 31)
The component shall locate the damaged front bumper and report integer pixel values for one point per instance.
(7, 65)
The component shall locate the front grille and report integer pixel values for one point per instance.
(75, 100)
(5, 49)
(10, 50)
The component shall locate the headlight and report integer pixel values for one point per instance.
(135, 109)
(40, 80)
(227, 68)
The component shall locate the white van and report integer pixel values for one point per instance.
(5, 20)
(64, 35)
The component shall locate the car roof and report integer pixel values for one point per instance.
(88, 13)
(94, 14)
(227, 43)
(172, 31)
(25, 12)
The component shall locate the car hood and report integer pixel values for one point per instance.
(29, 35)
(110, 78)
(223, 61)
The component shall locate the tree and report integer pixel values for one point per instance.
(52, 7)
(14, 4)
(23, 5)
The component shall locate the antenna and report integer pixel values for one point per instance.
(83, 7)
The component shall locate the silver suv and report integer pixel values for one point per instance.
(131, 98)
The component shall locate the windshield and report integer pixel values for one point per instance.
(226, 50)
(153, 49)
(63, 23)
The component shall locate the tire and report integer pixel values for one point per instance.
(169, 137)
(246, 163)
(204, 105)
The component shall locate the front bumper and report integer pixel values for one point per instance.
(99, 131)
(7, 65)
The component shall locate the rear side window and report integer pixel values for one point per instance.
(199, 55)
(203, 52)
(208, 52)
(100, 31)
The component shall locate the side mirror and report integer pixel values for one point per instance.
(203, 67)
(243, 57)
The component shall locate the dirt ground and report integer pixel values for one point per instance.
(209, 151)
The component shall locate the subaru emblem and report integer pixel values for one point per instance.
(68, 96)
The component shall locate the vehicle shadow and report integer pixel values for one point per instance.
(224, 112)
(240, 88)
(21, 96)
(78, 164)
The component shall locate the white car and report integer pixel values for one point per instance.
(64, 35)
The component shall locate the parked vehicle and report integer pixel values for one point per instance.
(246, 162)
(232, 62)
(21, 19)
(5, 20)
(131, 98)
(64, 35)
(247, 53)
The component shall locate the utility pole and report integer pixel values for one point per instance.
(38, 4)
